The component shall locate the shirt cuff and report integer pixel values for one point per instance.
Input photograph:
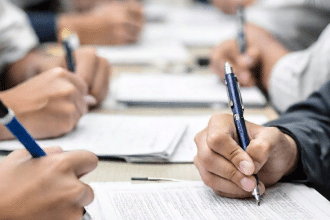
(44, 24)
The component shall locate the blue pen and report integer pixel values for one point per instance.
(8, 119)
(68, 53)
(236, 104)
(241, 41)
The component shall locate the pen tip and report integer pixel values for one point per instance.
(228, 68)
(259, 203)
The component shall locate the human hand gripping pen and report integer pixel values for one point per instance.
(241, 41)
(236, 104)
(8, 119)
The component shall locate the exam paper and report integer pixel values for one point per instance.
(119, 136)
(194, 89)
(193, 200)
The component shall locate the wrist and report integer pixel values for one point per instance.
(294, 152)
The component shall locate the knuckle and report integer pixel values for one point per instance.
(230, 174)
(214, 139)
(234, 154)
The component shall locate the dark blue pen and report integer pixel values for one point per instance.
(8, 119)
(241, 41)
(68, 53)
(236, 104)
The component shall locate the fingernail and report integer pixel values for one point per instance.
(90, 100)
(247, 184)
(246, 167)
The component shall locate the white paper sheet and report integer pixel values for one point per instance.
(119, 136)
(195, 89)
(145, 52)
(193, 200)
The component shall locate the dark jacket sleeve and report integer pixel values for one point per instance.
(308, 123)
(44, 24)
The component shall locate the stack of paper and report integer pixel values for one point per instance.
(193, 200)
(179, 89)
(134, 138)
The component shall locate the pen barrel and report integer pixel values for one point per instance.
(241, 131)
(25, 138)
(69, 56)
(236, 105)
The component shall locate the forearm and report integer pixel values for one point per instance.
(309, 123)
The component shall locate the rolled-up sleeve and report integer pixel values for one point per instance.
(17, 37)
(298, 74)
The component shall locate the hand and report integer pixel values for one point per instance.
(254, 67)
(113, 23)
(230, 6)
(95, 71)
(46, 187)
(227, 168)
(48, 105)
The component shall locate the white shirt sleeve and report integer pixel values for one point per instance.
(298, 74)
(296, 23)
(17, 37)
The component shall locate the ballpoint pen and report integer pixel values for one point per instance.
(8, 119)
(236, 104)
(241, 41)
(70, 42)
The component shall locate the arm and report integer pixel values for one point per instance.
(16, 36)
(308, 122)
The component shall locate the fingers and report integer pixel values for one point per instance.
(99, 88)
(81, 162)
(220, 133)
(95, 71)
(222, 186)
(243, 64)
(219, 167)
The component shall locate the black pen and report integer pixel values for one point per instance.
(236, 104)
(241, 41)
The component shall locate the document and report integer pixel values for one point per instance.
(141, 138)
(145, 52)
(192, 200)
(183, 89)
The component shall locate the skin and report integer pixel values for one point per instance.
(230, 6)
(46, 187)
(93, 69)
(255, 65)
(48, 105)
(226, 168)
(109, 24)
